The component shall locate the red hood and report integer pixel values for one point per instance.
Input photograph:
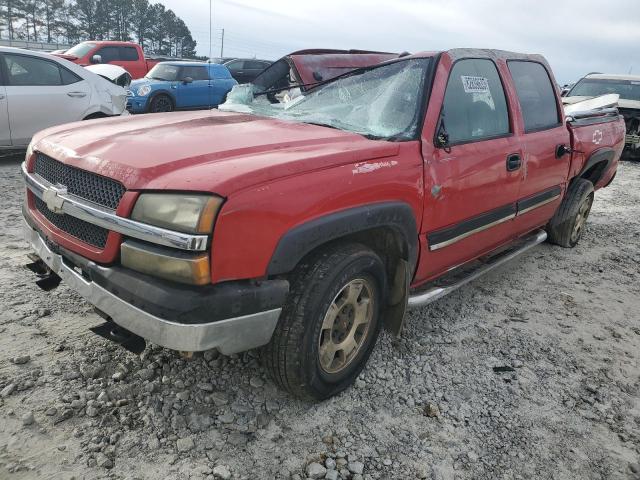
(220, 152)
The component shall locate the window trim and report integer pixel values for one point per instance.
(3, 69)
(510, 133)
(553, 89)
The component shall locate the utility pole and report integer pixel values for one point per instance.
(222, 45)
(210, 28)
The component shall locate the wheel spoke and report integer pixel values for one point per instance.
(362, 312)
(330, 317)
(348, 346)
(328, 353)
(355, 288)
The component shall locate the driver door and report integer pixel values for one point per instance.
(196, 93)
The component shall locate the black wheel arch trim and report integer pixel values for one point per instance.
(606, 154)
(304, 238)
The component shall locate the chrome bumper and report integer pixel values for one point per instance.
(228, 336)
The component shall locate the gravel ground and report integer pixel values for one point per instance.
(532, 372)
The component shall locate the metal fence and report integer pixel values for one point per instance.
(44, 46)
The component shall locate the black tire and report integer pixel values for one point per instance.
(567, 225)
(292, 358)
(95, 116)
(161, 104)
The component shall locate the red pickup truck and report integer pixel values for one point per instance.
(303, 230)
(127, 55)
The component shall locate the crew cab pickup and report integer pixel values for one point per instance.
(304, 230)
(127, 55)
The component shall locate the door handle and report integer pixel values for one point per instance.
(77, 94)
(514, 162)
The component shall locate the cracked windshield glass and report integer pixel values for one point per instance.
(382, 102)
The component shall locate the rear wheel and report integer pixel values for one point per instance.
(329, 324)
(161, 103)
(568, 224)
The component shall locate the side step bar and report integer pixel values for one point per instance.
(467, 273)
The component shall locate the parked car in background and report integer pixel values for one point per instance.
(306, 230)
(39, 90)
(245, 70)
(113, 73)
(180, 86)
(628, 87)
(127, 55)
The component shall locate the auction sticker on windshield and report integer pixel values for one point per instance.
(475, 84)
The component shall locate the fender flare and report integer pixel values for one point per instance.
(303, 238)
(605, 154)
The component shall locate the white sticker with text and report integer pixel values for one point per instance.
(475, 84)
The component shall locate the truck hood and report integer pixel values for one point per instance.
(209, 151)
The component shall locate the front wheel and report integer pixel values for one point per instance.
(161, 103)
(329, 324)
(568, 224)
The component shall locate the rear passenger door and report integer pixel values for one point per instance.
(471, 184)
(196, 93)
(544, 173)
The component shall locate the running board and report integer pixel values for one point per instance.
(466, 273)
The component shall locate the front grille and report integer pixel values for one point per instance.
(90, 186)
(84, 231)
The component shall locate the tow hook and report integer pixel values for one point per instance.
(47, 279)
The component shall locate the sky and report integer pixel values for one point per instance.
(576, 36)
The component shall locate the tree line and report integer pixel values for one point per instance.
(158, 29)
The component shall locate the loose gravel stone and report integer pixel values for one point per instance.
(28, 419)
(356, 467)
(222, 472)
(21, 360)
(315, 470)
(185, 444)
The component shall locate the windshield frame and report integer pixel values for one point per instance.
(615, 81)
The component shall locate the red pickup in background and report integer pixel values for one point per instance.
(127, 55)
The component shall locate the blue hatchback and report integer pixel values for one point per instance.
(180, 86)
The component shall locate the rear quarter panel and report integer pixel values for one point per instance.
(589, 139)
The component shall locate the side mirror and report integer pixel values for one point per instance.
(187, 80)
(96, 59)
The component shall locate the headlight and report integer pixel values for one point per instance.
(188, 213)
(144, 90)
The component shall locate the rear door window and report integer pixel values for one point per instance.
(235, 66)
(474, 107)
(128, 54)
(536, 95)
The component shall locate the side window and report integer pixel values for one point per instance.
(128, 54)
(254, 65)
(109, 54)
(474, 104)
(536, 95)
(26, 71)
(235, 65)
(197, 73)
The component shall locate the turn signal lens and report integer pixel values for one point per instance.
(163, 263)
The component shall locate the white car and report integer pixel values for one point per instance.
(38, 90)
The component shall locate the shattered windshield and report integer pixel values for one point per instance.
(381, 102)
(594, 87)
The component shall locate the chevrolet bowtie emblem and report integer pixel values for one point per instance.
(52, 197)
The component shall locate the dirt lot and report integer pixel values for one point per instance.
(530, 373)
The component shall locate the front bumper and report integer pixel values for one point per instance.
(228, 335)
(137, 104)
